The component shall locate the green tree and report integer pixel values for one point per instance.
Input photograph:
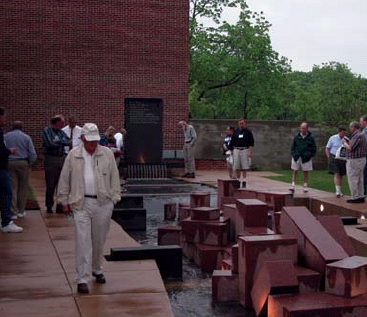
(233, 69)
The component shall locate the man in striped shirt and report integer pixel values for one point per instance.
(356, 160)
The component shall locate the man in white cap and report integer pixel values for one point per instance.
(89, 186)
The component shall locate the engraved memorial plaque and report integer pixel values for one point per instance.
(143, 122)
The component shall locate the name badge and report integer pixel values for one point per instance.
(240, 136)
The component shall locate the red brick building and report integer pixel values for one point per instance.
(85, 58)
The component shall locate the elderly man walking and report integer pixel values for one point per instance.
(89, 186)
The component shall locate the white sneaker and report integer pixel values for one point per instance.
(14, 217)
(305, 189)
(11, 227)
(339, 194)
(293, 188)
(21, 214)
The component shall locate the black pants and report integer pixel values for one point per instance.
(53, 166)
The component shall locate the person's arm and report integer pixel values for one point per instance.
(32, 155)
(193, 135)
(327, 152)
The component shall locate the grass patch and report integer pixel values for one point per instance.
(320, 180)
(30, 194)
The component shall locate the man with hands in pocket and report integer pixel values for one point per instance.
(89, 186)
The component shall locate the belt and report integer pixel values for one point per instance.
(91, 196)
(187, 141)
(241, 148)
(57, 155)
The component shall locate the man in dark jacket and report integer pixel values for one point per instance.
(303, 150)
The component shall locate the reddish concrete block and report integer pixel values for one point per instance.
(224, 286)
(315, 245)
(256, 231)
(234, 256)
(214, 233)
(226, 188)
(189, 249)
(169, 235)
(226, 264)
(273, 277)
(170, 211)
(183, 212)
(192, 230)
(255, 250)
(347, 277)
(228, 200)
(230, 211)
(245, 193)
(209, 258)
(309, 280)
(199, 199)
(205, 213)
(251, 213)
(276, 222)
(334, 225)
(316, 305)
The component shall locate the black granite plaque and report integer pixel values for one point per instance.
(143, 122)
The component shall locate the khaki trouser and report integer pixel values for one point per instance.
(355, 169)
(189, 157)
(91, 228)
(19, 174)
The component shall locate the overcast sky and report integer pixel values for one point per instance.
(312, 32)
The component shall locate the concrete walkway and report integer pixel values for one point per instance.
(37, 272)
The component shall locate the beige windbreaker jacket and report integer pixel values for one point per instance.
(70, 190)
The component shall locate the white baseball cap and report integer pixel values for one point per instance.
(90, 132)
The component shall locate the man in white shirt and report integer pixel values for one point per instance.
(73, 131)
(89, 187)
(336, 166)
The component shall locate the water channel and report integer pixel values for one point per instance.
(192, 295)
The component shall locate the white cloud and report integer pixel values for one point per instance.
(312, 32)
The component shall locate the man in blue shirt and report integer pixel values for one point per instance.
(19, 166)
(336, 166)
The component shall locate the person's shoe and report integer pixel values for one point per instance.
(338, 194)
(11, 227)
(99, 278)
(14, 217)
(243, 184)
(186, 175)
(293, 188)
(21, 214)
(83, 288)
(305, 189)
(49, 210)
(191, 175)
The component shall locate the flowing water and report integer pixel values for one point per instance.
(192, 295)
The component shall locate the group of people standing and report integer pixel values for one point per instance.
(79, 169)
(353, 163)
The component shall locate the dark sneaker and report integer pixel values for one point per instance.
(99, 278)
(49, 210)
(191, 175)
(83, 288)
(243, 184)
(186, 175)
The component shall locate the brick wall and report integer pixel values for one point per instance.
(84, 58)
